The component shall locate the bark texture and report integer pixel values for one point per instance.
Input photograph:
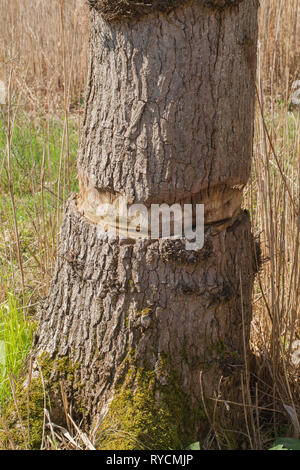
(170, 103)
(118, 9)
(169, 118)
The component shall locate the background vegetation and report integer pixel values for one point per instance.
(43, 62)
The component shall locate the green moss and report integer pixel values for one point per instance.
(23, 418)
(59, 368)
(149, 411)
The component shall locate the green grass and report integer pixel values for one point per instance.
(30, 140)
(37, 155)
(15, 341)
(36, 147)
(43, 172)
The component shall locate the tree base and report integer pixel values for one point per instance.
(141, 321)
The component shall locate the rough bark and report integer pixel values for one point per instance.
(169, 110)
(169, 118)
(119, 9)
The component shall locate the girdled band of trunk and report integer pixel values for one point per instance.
(220, 204)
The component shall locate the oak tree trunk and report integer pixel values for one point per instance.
(168, 118)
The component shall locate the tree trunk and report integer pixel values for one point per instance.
(168, 119)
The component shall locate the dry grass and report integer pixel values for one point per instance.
(45, 44)
(279, 42)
